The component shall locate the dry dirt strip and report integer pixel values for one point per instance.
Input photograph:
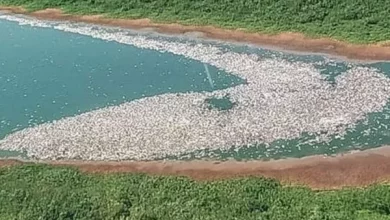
(285, 41)
(354, 169)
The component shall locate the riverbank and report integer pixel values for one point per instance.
(360, 169)
(355, 169)
(283, 41)
(45, 192)
(249, 123)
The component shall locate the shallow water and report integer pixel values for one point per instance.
(46, 74)
(370, 133)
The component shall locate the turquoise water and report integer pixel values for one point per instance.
(46, 74)
(371, 133)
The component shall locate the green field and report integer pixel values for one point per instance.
(43, 192)
(356, 21)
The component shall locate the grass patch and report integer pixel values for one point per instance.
(355, 21)
(45, 192)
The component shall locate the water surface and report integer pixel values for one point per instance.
(370, 133)
(46, 74)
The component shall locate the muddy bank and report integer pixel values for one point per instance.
(318, 172)
(285, 41)
(356, 169)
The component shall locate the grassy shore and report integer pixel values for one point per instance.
(45, 192)
(356, 21)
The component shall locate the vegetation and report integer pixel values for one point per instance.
(44, 192)
(357, 21)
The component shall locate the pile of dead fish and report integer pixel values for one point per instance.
(281, 100)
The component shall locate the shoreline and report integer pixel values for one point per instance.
(349, 169)
(353, 169)
(283, 41)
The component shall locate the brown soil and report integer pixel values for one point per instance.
(353, 169)
(357, 169)
(6, 163)
(286, 41)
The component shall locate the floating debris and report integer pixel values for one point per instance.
(281, 100)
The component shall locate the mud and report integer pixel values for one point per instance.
(283, 41)
(349, 170)
(353, 169)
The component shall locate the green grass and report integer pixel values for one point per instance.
(356, 21)
(43, 192)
